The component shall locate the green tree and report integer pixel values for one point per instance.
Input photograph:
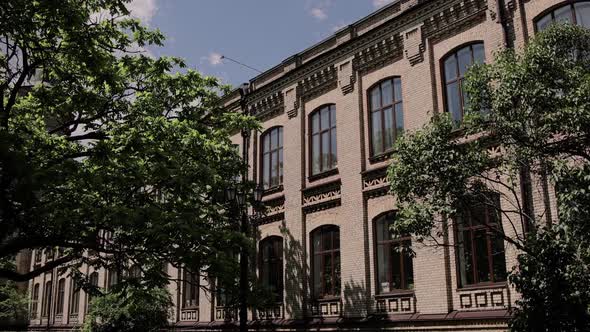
(134, 310)
(526, 135)
(107, 153)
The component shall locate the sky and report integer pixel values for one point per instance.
(259, 33)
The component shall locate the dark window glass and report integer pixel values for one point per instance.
(93, 280)
(386, 109)
(480, 243)
(37, 256)
(271, 266)
(576, 13)
(190, 289)
(326, 262)
(395, 269)
(61, 294)
(74, 299)
(112, 278)
(45, 306)
(456, 66)
(323, 139)
(35, 301)
(272, 158)
(135, 272)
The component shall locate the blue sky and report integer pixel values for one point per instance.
(260, 33)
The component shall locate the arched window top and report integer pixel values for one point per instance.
(386, 114)
(454, 67)
(271, 147)
(93, 279)
(575, 12)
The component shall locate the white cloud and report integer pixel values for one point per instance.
(318, 13)
(144, 10)
(214, 59)
(380, 3)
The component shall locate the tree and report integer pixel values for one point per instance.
(526, 135)
(14, 302)
(135, 309)
(107, 153)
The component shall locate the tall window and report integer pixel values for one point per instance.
(326, 262)
(272, 158)
(395, 269)
(576, 13)
(387, 116)
(480, 244)
(455, 67)
(271, 266)
(37, 256)
(112, 278)
(190, 289)
(35, 301)
(45, 306)
(74, 298)
(135, 272)
(93, 280)
(323, 139)
(61, 294)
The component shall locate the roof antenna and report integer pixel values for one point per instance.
(241, 64)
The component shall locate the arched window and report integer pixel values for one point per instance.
(93, 280)
(456, 65)
(112, 278)
(395, 269)
(271, 266)
(35, 301)
(387, 116)
(326, 262)
(135, 272)
(45, 306)
(576, 13)
(190, 289)
(272, 158)
(480, 246)
(323, 139)
(61, 294)
(74, 298)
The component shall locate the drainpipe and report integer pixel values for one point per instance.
(501, 18)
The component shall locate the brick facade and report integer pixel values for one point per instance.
(406, 39)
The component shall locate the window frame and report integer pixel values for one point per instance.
(61, 296)
(389, 243)
(74, 307)
(472, 229)
(458, 78)
(332, 127)
(195, 284)
(276, 243)
(47, 295)
(333, 253)
(93, 280)
(35, 300)
(551, 11)
(271, 151)
(381, 109)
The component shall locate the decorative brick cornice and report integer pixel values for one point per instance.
(453, 16)
(380, 53)
(318, 83)
(270, 106)
(322, 197)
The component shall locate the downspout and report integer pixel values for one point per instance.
(501, 18)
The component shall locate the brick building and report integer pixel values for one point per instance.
(330, 116)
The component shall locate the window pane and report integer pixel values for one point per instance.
(399, 120)
(382, 273)
(381, 229)
(266, 170)
(397, 88)
(325, 150)
(280, 166)
(396, 274)
(315, 123)
(388, 118)
(336, 239)
(454, 102)
(326, 240)
(317, 238)
(387, 93)
(498, 259)
(274, 139)
(315, 154)
(563, 14)
(408, 270)
(325, 114)
(280, 137)
(337, 274)
(274, 180)
(583, 14)
(479, 55)
(317, 282)
(333, 116)
(450, 68)
(327, 274)
(544, 22)
(266, 143)
(375, 98)
(465, 61)
(465, 258)
(481, 256)
(334, 149)
(377, 138)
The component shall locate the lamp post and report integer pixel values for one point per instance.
(240, 198)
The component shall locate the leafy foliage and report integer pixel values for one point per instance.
(110, 154)
(136, 309)
(535, 107)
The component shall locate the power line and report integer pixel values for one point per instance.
(241, 64)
